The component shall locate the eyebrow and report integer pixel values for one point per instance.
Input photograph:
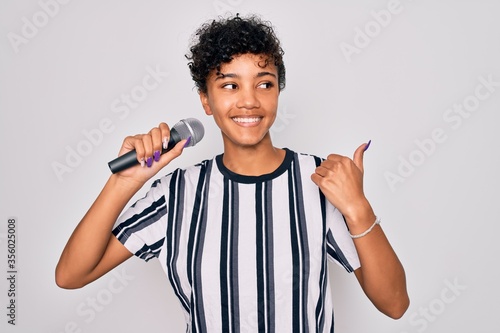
(233, 75)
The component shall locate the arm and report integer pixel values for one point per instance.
(92, 250)
(381, 274)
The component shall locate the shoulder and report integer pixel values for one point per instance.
(162, 187)
(305, 159)
(192, 171)
(197, 168)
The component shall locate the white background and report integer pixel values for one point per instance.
(438, 201)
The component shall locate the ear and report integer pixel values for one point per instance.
(205, 104)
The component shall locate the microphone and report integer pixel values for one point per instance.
(184, 129)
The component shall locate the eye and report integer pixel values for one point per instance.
(266, 85)
(229, 86)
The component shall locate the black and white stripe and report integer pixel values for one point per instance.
(300, 249)
(264, 257)
(229, 259)
(144, 218)
(243, 253)
(195, 247)
(174, 225)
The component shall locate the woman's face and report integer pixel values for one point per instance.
(243, 99)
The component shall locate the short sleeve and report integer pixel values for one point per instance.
(142, 227)
(339, 244)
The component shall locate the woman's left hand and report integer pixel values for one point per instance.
(341, 181)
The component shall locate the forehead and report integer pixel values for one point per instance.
(248, 62)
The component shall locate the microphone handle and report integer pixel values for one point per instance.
(129, 159)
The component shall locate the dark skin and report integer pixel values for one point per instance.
(243, 101)
(381, 274)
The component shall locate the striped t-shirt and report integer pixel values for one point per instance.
(243, 253)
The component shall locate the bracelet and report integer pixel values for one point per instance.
(377, 221)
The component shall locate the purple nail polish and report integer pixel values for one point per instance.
(187, 142)
(368, 145)
(156, 155)
(149, 162)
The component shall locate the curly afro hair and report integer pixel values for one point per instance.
(217, 42)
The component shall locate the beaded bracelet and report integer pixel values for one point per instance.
(377, 221)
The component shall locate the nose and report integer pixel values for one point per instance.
(248, 98)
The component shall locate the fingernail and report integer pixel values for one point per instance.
(149, 163)
(165, 142)
(156, 155)
(187, 142)
(142, 162)
(368, 145)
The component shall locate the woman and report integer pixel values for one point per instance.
(244, 237)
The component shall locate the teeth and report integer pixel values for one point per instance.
(246, 120)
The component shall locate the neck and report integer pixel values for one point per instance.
(254, 160)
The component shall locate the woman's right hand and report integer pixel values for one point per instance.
(92, 250)
(148, 149)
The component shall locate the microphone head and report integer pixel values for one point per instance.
(190, 127)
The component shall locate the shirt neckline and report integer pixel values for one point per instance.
(255, 179)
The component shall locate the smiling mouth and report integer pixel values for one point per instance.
(247, 120)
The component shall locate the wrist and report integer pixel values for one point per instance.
(124, 184)
(360, 217)
(359, 212)
(367, 231)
